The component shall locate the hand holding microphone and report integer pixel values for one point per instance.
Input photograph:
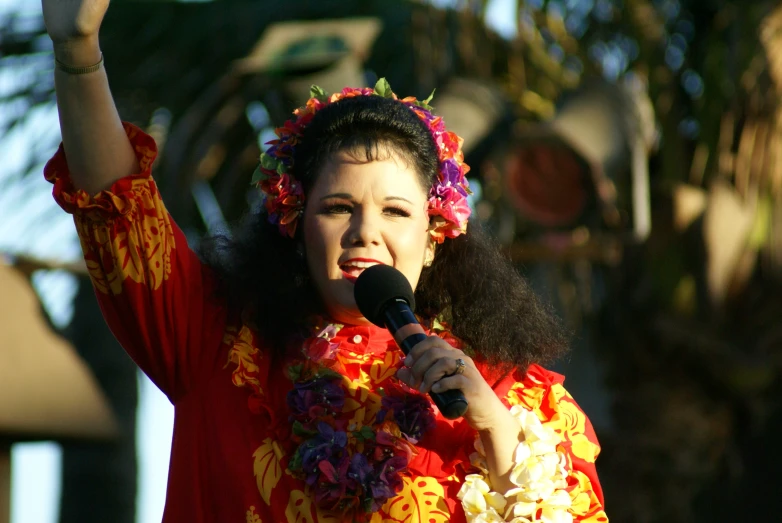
(385, 297)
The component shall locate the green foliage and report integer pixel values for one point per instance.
(330, 374)
(294, 372)
(300, 431)
(317, 92)
(365, 434)
(382, 88)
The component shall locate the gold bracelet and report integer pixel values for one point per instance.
(79, 70)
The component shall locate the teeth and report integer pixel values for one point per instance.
(360, 264)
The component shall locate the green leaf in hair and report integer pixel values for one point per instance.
(317, 92)
(258, 176)
(383, 88)
(268, 162)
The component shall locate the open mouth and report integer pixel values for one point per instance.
(353, 268)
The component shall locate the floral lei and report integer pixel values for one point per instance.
(351, 472)
(283, 195)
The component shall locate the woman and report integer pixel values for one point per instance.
(290, 406)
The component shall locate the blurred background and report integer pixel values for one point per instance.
(627, 155)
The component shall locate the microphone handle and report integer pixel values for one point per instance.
(452, 403)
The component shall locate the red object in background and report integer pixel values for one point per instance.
(547, 182)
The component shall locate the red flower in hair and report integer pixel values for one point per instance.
(284, 199)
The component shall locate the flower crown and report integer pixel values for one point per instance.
(283, 195)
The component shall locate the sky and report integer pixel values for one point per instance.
(36, 466)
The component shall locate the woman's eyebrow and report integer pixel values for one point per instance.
(390, 198)
(343, 195)
(348, 196)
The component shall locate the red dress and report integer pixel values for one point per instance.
(231, 431)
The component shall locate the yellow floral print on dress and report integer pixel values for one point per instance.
(570, 423)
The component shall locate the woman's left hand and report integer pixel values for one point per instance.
(432, 366)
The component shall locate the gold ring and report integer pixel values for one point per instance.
(459, 366)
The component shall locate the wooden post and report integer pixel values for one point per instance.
(5, 483)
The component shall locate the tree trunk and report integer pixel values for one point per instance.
(99, 479)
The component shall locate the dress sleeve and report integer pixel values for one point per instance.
(539, 394)
(156, 296)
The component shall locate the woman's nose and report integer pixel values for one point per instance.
(364, 229)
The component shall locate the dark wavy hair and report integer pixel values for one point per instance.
(487, 304)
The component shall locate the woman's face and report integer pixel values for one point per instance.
(359, 214)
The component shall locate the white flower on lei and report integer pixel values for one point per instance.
(539, 475)
(479, 502)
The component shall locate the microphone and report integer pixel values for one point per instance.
(385, 298)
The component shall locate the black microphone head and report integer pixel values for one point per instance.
(376, 287)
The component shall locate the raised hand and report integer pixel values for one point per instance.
(96, 146)
(72, 21)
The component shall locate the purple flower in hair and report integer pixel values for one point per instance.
(423, 112)
(451, 176)
(285, 202)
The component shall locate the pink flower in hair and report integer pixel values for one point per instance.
(284, 198)
(448, 211)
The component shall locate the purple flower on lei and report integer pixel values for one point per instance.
(310, 399)
(387, 483)
(359, 472)
(389, 474)
(412, 413)
(353, 480)
(332, 485)
(327, 445)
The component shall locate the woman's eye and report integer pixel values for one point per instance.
(338, 209)
(396, 211)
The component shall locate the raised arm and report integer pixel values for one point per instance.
(94, 140)
(157, 297)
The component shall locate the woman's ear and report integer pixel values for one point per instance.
(430, 252)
